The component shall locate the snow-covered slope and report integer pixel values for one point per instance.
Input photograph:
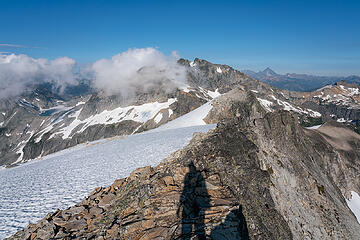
(59, 180)
(193, 118)
(35, 126)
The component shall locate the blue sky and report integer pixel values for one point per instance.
(321, 37)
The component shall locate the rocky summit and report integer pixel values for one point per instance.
(258, 175)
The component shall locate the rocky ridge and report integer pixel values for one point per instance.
(339, 102)
(258, 175)
(40, 122)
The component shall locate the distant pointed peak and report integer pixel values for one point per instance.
(269, 72)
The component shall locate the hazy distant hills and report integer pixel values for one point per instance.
(297, 82)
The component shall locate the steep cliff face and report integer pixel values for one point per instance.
(258, 175)
(310, 177)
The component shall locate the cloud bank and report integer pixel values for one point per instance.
(123, 74)
(20, 72)
(139, 67)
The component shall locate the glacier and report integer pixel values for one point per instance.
(28, 192)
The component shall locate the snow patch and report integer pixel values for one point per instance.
(266, 104)
(354, 91)
(42, 132)
(314, 127)
(312, 113)
(342, 120)
(214, 94)
(326, 98)
(324, 87)
(288, 107)
(192, 64)
(54, 110)
(158, 117)
(254, 91)
(20, 151)
(170, 112)
(141, 113)
(354, 204)
(80, 103)
(208, 93)
(218, 69)
(185, 89)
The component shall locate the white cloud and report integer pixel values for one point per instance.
(18, 72)
(123, 74)
(143, 67)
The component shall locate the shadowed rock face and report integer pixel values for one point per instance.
(258, 175)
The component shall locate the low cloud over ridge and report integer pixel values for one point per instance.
(144, 67)
(123, 74)
(19, 72)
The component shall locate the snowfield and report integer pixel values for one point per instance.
(30, 191)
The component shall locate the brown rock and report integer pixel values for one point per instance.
(74, 225)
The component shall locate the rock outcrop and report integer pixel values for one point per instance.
(258, 175)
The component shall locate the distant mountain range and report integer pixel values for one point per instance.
(298, 82)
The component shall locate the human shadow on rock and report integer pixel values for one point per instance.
(234, 227)
(194, 201)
